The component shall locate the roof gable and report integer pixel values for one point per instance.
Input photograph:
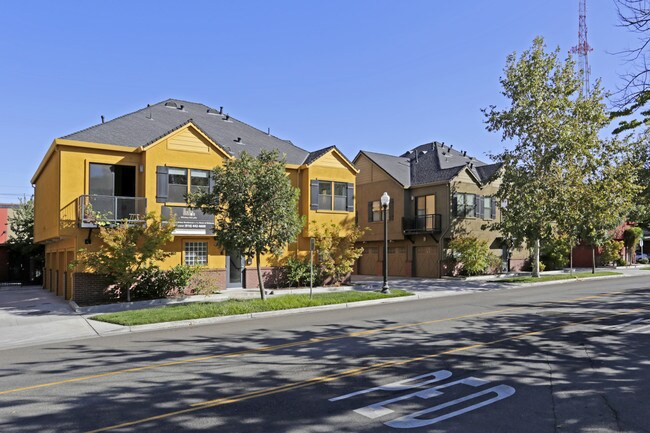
(189, 138)
(335, 153)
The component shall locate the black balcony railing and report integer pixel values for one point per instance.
(422, 224)
(97, 209)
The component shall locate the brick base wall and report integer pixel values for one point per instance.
(90, 289)
(211, 278)
(273, 277)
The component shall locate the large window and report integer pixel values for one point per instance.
(425, 205)
(196, 253)
(330, 195)
(487, 208)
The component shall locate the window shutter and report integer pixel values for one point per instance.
(162, 184)
(478, 206)
(493, 208)
(370, 212)
(350, 207)
(391, 210)
(314, 195)
(454, 205)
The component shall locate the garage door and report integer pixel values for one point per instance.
(368, 262)
(397, 262)
(426, 262)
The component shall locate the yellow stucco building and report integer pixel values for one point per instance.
(146, 161)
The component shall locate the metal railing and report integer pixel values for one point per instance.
(422, 224)
(96, 209)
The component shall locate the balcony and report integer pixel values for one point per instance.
(97, 209)
(423, 224)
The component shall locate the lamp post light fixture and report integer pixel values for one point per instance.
(385, 201)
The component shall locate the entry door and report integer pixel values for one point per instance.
(235, 269)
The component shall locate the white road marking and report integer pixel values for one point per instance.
(623, 325)
(401, 385)
(640, 329)
(412, 420)
(380, 409)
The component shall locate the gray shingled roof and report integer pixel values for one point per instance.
(149, 124)
(431, 162)
(396, 166)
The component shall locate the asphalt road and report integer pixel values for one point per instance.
(556, 358)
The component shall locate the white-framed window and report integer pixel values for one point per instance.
(196, 253)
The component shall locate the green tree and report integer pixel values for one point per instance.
(554, 127)
(255, 206)
(24, 252)
(128, 250)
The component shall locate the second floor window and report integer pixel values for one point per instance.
(330, 195)
(174, 183)
(474, 206)
(376, 213)
(177, 184)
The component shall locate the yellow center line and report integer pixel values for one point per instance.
(281, 346)
(348, 373)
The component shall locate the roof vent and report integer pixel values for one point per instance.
(238, 140)
(171, 104)
(227, 118)
(471, 165)
(464, 153)
(181, 107)
(221, 110)
(212, 111)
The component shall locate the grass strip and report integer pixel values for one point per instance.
(556, 277)
(231, 307)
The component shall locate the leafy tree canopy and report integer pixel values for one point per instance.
(255, 206)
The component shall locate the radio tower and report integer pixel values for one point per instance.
(583, 48)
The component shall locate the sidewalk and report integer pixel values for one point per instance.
(31, 316)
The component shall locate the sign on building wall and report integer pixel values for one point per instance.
(189, 221)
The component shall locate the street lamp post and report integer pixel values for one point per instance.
(385, 201)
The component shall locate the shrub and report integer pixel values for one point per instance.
(336, 253)
(643, 261)
(555, 252)
(621, 261)
(611, 251)
(473, 255)
(297, 271)
(154, 283)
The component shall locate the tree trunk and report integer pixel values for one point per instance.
(259, 275)
(593, 259)
(571, 260)
(536, 264)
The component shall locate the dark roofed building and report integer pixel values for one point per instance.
(437, 192)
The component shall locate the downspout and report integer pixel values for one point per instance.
(444, 233)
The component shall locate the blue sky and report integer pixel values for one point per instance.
(373, 75)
